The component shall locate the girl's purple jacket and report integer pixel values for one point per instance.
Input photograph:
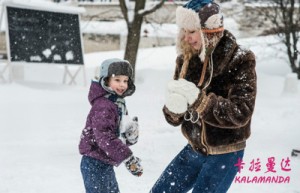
(99, 138)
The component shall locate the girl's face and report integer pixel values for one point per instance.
(193, 38)
(119, 84)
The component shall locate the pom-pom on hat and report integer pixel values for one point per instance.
(204, 15)
(114, 67)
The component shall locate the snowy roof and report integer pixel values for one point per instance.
(119, 27)
(43, 5)
(37, 5)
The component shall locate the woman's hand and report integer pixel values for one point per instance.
(185, 88)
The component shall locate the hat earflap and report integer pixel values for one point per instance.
(189, 19)
(214, 22)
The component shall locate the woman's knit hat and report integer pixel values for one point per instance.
(204, 15)
(114, 67)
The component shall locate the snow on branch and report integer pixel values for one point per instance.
(152, 9)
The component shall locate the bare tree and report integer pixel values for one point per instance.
(134, 12)
(286, 20)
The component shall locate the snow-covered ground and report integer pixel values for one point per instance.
(41, 121)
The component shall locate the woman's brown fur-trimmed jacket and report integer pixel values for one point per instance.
(226, 105)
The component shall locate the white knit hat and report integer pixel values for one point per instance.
(204, 15)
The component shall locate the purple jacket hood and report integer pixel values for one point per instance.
(99, 138)
(96, 91)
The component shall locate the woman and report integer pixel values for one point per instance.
(212, 97)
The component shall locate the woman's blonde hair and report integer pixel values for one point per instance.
(188, 51)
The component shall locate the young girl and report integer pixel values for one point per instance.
(109, 130)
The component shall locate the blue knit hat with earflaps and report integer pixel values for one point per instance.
(114, 67)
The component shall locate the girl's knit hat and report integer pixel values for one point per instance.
(114, 67)
(204, 15)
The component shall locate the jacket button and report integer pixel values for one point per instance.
(203, 150)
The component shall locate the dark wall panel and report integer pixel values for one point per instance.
(44, 37)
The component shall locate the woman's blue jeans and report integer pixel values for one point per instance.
(98, 177)
(204, 174)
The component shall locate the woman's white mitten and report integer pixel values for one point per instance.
(185, 88)
(176, 103)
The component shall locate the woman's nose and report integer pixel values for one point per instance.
(186, 38)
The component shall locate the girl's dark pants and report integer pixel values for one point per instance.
(98, 177)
